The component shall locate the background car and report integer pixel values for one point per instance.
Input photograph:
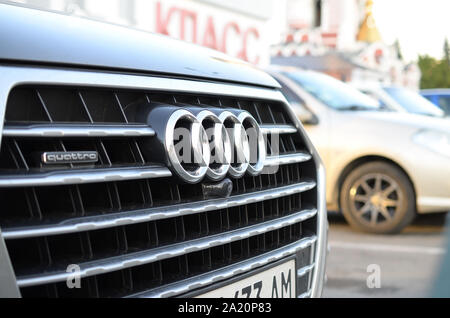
(439, 97)
(382, 166)
(401, 99)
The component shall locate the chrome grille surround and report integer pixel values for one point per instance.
(15, 76)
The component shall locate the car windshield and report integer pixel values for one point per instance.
(333, 92)
(442, 100)
(444, 103)
(413, 102)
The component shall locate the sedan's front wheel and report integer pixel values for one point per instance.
(378, 197)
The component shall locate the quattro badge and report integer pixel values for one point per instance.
(68, 157)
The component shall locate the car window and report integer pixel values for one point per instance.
(431, 98)
(413, 102)
(374, 96)
(305, 115)
(290, 95)
(444, 103)
(332, 92)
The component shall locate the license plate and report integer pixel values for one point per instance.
(276, 282)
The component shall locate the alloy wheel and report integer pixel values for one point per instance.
(375, 198)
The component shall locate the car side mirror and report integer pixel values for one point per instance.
(305, 115)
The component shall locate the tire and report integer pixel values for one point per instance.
(377, 197)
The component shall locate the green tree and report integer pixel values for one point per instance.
(447, 52)
(435, 73)
(398, 49)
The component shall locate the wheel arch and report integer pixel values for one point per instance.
(363, 160)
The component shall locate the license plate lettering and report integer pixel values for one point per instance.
(276, 282)
(282, 285)
(251, 291)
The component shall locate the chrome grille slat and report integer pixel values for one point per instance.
(305, 270)
(82, 130)
(49, 76)
(287, 159)
(305, 294)
(278, 129)
(104, 221)
(117, 174)
(164, 252)
(206, 279)
(83, 176)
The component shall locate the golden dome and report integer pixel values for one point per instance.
(368, 31)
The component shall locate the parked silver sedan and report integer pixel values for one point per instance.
(383, 167)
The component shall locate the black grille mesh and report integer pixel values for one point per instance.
(87, 106)
(37, 205)
(78, 105)
(140, 278)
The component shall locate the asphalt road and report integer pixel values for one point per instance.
(407, 263)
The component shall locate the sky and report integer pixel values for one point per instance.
(420, 25)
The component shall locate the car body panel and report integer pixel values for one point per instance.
(56, 39)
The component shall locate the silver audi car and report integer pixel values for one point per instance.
(383, 167)
(118, 177)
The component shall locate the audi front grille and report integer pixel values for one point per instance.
(125, 220)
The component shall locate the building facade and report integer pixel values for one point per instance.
(340, 38)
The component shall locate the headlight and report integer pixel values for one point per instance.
(434, 140)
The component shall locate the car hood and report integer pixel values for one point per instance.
(41, 37)
(404, 119)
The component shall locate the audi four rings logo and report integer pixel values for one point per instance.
(213, 143)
